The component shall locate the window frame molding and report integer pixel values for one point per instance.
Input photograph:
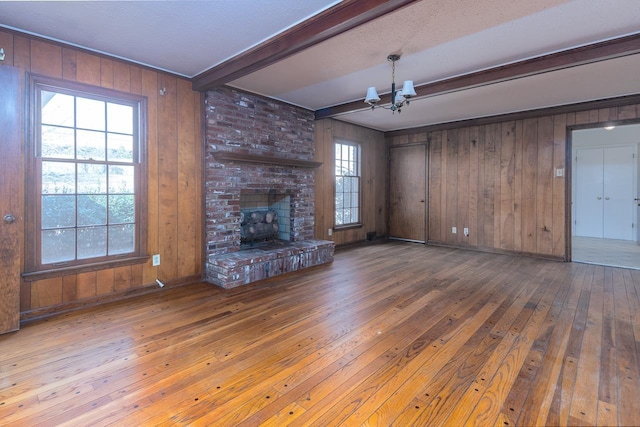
(358, 223)
(33, 270)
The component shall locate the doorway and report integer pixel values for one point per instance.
(604, 197)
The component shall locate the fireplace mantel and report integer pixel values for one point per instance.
(226, 156)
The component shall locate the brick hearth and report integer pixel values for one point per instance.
(241, 126)
(247, 266)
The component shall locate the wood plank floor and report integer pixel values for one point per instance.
(390, 334)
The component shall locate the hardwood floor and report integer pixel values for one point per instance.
(391, 334)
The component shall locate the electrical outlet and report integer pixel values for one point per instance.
(155, 260)
(454, 230)
(330, 231)
(466, 232)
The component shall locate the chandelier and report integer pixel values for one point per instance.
(398, 98)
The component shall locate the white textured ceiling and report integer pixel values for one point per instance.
(438, 39)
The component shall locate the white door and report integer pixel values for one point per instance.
(589, 183)
(605, 192)
(618, 193)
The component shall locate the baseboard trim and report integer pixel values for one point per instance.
(47, 312)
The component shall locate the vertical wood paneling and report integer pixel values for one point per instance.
(6, 43)
(582, 117)
(87, 285)
(627, 112)
(497, 190)
(46, 292)
(121, 76)
(69, 64)
(88, 68)
(69, 288)
(106, 73)
(149, 81)
(105, 281)
(501, 179)
(507, 185)
(451, 186)
(559, 184)
(529, 181)
(444, 231)
(544, 191)
(122, 278)
(167, 176)
(188, 155)
(479, 226)
(463, 184)
(435, 187)
(176, 183)
(472, 219)
(46, 59)
(22, 53)
(517, 187)
(488, 225)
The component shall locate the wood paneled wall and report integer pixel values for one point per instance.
(174, 150)
(499, 180)
(374, 181)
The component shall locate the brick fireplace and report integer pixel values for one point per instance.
(256, 147)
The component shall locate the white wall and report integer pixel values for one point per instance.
(627, 135)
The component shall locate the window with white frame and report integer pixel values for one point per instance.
(347, 190)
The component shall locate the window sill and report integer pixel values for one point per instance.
(65, 271)
(347, 227)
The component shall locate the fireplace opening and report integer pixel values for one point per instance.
(265, 219)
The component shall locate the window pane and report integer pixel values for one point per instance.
(57, 108)
(90, 114)
(56, 142)
(121, 209)
(346, 185)
(354, 215)
(92, 242)
(120, 118)
(58, 245)
(92, 179)
(90, 145)
(119, 148)
(92, 210)
(121, 179)
(58, 178)
(121, 239)
(58, 211)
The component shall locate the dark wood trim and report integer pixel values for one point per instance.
(225, 156)
(46, 312)
(547, 111)
(596, 52)
(334, 21)
(75, 269)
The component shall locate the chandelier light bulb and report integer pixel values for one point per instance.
(398, 98)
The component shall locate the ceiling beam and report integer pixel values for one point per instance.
(615, 48)
(342, 17)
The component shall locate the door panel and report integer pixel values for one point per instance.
(618, 193)
(408, 194)
(11, 202)
(589, 180)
